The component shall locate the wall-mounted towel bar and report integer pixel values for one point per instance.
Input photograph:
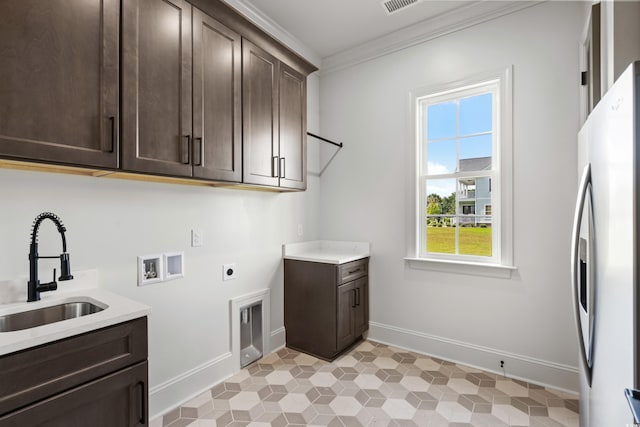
(337, 144)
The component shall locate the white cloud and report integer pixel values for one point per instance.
(437, 169)
(442, 187)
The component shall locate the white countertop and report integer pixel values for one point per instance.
(116, 309)
(326, 251)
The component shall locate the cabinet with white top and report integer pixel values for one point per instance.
(326, 296)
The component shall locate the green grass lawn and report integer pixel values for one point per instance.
(472, 241)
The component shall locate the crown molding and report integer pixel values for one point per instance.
(275, 30)
(429, 29)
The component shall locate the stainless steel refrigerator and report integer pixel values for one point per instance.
(604, 255)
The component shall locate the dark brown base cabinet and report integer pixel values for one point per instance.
(96, 379)
(326, 306)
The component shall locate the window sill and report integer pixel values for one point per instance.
(462, 267)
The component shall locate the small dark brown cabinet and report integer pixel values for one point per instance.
(274, 120)
(326, 306)
(59, 81)
(217, 100)
(156, 86)
(181, 110)
(98, 378)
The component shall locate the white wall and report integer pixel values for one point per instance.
(110, 222)
(526, 320)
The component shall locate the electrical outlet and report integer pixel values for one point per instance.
(197, 238)
(229, 272)
(300, 230)
(502, 363)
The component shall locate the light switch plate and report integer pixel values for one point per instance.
(197, 238)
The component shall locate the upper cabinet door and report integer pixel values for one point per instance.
(217, 102)
(59, 81)
(260, 116)
(156, 87)
(293, 128)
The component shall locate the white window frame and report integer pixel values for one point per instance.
(500, 264)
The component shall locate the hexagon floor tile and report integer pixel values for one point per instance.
(372, 385)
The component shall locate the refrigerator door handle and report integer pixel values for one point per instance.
(575, 259)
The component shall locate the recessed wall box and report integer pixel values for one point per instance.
(150, 269)
(173, 265)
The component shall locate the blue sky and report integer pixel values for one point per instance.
(475, 117)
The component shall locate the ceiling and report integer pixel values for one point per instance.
(332, 26)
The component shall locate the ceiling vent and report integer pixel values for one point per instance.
(393, 6)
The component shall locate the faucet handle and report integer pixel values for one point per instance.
(51, 286)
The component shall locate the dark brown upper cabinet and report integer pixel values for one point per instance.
(156, 87)
(274, 120)
(59, 81)
(217, 98)
(293, 128)
(260, 121)
(181, 107)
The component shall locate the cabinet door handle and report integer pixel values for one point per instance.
(353, 305)
(274, 167)
(353, 271)
(143, 403)
(185, 149)
(282, 164)
(357, 296)
(200, 152)
(112, 121)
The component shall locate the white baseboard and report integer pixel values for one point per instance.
(171, 394)
(537, 371)
(278, 339)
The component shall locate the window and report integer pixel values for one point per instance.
(463, 172)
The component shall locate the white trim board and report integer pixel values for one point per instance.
(274, 29)
(277, 340)
(162, 398)
(429, 29)
(167, 396)
(536, 371)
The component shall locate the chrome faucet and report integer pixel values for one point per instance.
(34, 287)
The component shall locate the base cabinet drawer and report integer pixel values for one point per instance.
(353, 270)
(119, 399)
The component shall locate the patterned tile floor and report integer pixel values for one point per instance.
(372, 385)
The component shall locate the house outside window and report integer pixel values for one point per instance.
(463, 159)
